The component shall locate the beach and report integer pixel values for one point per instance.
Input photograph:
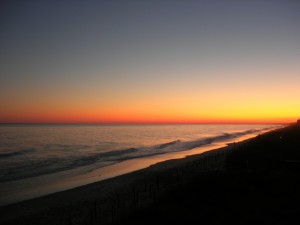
(37, 160)
(116, 199)
(100, 193)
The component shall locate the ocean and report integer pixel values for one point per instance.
(37, 152)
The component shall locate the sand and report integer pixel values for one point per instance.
(113, 199)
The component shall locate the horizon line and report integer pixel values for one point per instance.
(134, 123)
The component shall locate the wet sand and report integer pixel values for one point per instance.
(85, 196)
(115, 199)
(20, 190)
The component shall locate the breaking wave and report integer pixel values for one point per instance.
(39, 166)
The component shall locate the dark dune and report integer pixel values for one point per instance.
(252, 182)
(259, 183)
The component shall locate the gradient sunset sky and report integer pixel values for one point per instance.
(150, 61)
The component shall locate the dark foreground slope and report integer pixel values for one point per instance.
(258, 184)
(255, 181)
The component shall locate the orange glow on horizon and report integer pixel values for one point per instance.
(237, 104)
(114, 119)
(152, 113)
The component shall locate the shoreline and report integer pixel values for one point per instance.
(103, 191)
(89, 193)
(17, 191)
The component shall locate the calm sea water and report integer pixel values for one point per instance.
(32, 150)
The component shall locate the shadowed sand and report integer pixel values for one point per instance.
(254, 181)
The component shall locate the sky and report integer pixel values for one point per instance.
(155, 61)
